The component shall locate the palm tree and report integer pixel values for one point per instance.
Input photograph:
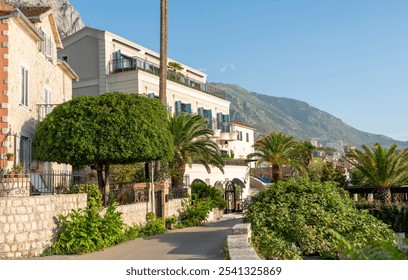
(192, 143)
(279, 150)
(381, 167)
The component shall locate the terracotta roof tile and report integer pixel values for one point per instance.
(34, 11)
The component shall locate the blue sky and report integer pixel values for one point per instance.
(348, 58)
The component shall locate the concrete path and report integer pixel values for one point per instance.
(198, 243)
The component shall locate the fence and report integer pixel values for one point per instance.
(40, 183)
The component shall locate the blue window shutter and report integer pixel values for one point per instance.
(200, 111)
(150, 95)
(227, 123)
(117, 56)
(178, 107)
(209, 116)
(219, 120)
(188, 108)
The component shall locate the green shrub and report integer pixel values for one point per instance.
(395, 214)
(153, 225)
(209, 194)
(85, 231)
(94, 196)
(203, 199)
(291, 220)
(195, 211)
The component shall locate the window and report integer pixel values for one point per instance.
(239, 135)
(24, 86)
(206, 114)
(47, 46)
(223, 122)
(247, 137)
(47, 99)
(182, 107)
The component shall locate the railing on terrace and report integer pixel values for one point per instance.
(398, 193)
(131, 64)
(40, 183)
(235, 162)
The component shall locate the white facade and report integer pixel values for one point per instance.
(106, 62)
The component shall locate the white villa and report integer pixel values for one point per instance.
(106, 62)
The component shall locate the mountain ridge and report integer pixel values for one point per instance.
(296, 118)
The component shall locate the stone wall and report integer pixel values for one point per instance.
(173, 207)
(238, 244)
(27, 224)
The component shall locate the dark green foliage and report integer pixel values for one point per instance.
(203, 199)
(291, 220)
(94, 196)
(394, 214)
(211, 195)
(127, 173)
(113, 128)
(85, 231)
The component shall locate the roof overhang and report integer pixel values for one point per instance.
(67, 69)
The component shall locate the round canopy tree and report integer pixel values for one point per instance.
(108, 129)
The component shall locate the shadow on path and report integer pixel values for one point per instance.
(196, 243)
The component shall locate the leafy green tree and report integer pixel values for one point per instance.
(279, 150)
(109, 129)
(191, 143)
(381, 168)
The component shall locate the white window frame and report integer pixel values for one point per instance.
(24, 89)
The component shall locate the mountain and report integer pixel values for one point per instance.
(68, 19)
(296, 118)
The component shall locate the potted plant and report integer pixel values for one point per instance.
(170, 222)
(17, 168)
(10, 156)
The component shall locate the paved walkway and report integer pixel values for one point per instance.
(197, 243)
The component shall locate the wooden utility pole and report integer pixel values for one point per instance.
(163, 51)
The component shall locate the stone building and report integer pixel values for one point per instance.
(33, 80)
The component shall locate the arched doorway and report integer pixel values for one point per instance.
(233, 196)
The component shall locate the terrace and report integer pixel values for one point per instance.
(134, 63)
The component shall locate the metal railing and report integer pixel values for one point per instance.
(40, 183)
(177, 193)
(131, 64)
(128, 194)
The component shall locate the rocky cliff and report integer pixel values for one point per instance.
(68, 19)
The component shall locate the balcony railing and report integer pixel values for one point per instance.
(131, 64)
(43, 110)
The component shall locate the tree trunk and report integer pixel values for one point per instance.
(384, 195)
(178, 169)
(103, 181)
(276, 173)
(163, 51)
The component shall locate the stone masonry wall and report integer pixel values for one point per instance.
(27, 224)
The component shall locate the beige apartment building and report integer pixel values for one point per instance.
(106, 62)
(33, 80)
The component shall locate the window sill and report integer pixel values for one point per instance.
(25, 107)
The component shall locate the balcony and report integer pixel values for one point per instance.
(43, 110)
(132, 64)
